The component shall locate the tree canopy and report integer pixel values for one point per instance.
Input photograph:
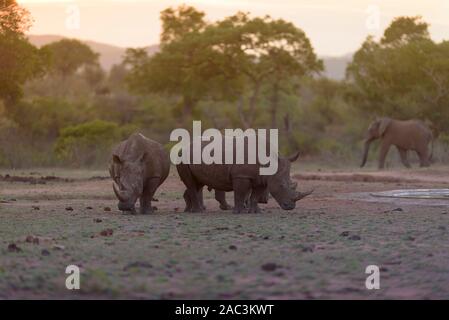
(404, 75)
(233, 58)
(68, 55)
(20, 60)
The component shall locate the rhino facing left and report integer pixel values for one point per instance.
(138, 167)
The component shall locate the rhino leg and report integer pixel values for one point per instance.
(255, 197)
(188, 201)
(220, 196)
(241, 188)
(147, 195)
(200, 198)
(193, 201)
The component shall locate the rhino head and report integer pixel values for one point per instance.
(128, 176)
(282, 188)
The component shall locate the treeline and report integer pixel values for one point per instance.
(59, 107)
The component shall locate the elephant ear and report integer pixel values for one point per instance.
(383, 125)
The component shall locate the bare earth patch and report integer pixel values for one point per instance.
(319, 250)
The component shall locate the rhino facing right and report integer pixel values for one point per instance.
(243, 179)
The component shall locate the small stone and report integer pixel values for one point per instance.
(89, 208)
(98, 220)
(32, 239)
(344, 234)
(45, 252)
(106, 233)
(12, 247)
(355, 237)
(397, 210)
(269, 267)
(410, 238)
(69, 209)
(307, 248)
(107, 209)
(36, 208)
(232, 247)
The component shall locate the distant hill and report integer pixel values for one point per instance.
(335, 67)
(109, 55)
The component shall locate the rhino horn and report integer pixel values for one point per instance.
(294, 157)
(301, 195)
(293, 185)
(118, 193)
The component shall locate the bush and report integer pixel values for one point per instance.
(89, 143)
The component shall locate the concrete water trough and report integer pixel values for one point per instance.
(441, 194)
(420, 197)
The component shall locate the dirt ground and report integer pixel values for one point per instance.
(318, 251)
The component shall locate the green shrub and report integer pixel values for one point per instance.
(88, 143)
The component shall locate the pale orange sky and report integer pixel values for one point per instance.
(335, 27)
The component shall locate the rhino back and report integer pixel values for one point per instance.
(216, 176)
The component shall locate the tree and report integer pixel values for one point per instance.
(176, 23)
(180, 67)
(405, 29)
(404, 75)
(231, 59)
(257, 52)
(67, 56)
(20, 60)
(14, 19)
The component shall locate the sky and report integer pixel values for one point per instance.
(335, 27)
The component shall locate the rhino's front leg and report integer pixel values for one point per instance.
(255, 198)
(147, 195)
(188, 201)
(241, 188)
(220, 196)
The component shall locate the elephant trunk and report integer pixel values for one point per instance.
(365, 151)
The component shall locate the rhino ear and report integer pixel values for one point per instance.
(143, 157)
(116, 159)
(294, 157)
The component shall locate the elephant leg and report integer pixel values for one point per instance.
(220, 196)
(384, 148)
(403, 154)
(423, 158)
(147, 196)
(241, 188)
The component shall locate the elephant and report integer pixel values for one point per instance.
(405, 135)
